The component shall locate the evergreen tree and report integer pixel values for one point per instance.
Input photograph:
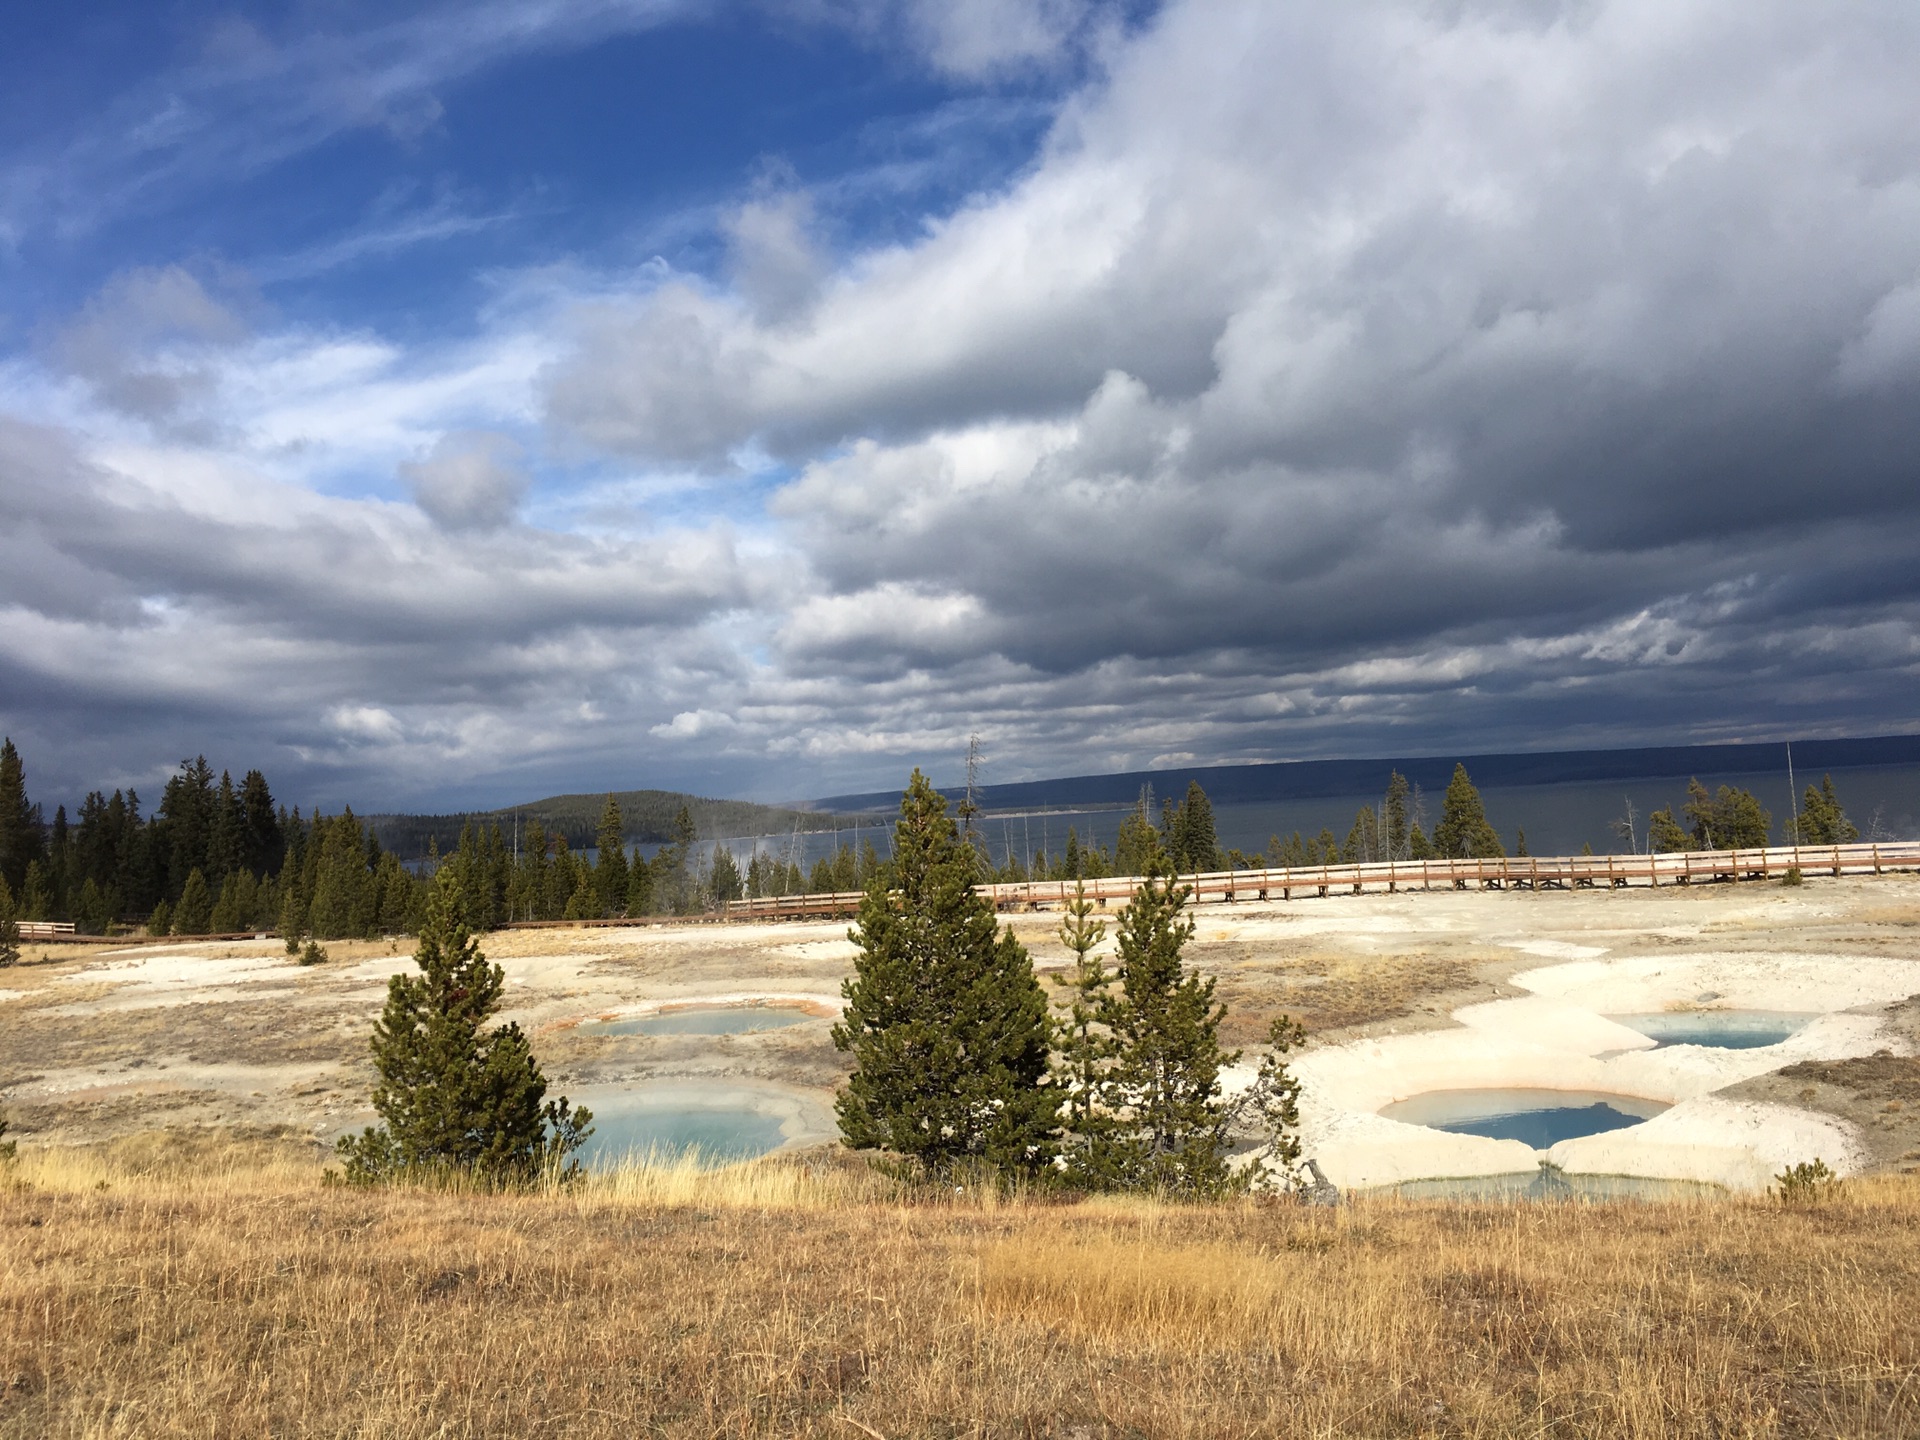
(455, 1097)
(20, 839)
(262, 842)
(1395, 818)
(1822, 820)
(1463, 832)
(1363, 840)
(9, 927)
(1418, 846)
(640, 889)
(1191, 839)
(1520, 842)
(160, 922)
(610, 873)
(343, 905)
(1071, 863)
(724, 877)
(93, 909)
(233, 911)
(1273, 1102)
(1138, 843)
(1085, 1046)
(947, 1026)
(194, 914)
(36, 895)
(1168, 1124)
(584, 903)
(1733, 819)
(1664, 834)
(1326, 849)
(399, 902)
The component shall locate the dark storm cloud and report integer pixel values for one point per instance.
(1568, 355)
(1337, 379)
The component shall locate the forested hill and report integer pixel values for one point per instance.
(1312, 779)
(648, 816)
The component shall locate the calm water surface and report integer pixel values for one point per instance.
(1539, 1118)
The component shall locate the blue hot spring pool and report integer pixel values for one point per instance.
(1718, 1029)
(702, 1020)
(671, 1126)
(1539, 1118)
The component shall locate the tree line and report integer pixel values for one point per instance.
(220, 857)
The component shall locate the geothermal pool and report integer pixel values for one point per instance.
(670, 1132)
(1539, 1118)
(1718, 1029)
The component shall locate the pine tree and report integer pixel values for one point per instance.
(584, 904)
(1085, 1046)
(194, 914)
(1520, 842)
(1733, 819)
(343, 905)
(1138, 843)
(1664, 835)
(947, 1026)
(724, 877)
(1273, 1103)
(455, 1097)
(1162, 1093)
(610, 873)
(36, 895)
(9, 927)
(1463, 832)
(1363, 840)
(160, 922)
(1822, 820)
(1418, 846)
(1192, 840)
(1394, 814)
(640, 889)
(20, 840)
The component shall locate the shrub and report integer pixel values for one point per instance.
(1807, 1183)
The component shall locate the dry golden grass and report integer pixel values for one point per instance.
(220, 1290)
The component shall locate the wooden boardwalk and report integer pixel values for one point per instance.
(1524, 872)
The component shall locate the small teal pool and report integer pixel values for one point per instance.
(1717, 1029)
(702, 1020)
(1539, 1118)
(668, 1131)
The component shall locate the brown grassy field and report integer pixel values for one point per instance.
(174, 1287)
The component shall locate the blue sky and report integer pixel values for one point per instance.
(438, 405)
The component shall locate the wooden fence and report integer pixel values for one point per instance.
(1522, 872)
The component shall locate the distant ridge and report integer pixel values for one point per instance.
(1314, 779)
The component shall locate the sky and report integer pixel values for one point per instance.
(445, 405)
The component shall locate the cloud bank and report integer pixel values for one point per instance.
(1335, 379)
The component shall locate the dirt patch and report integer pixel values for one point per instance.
(1878, 1093)
(1336, 995)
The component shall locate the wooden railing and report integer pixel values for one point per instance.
(45, 929)
(1522, 872)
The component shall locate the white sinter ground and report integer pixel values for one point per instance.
(1558, 1038)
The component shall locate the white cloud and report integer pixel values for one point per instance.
(471, 480)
